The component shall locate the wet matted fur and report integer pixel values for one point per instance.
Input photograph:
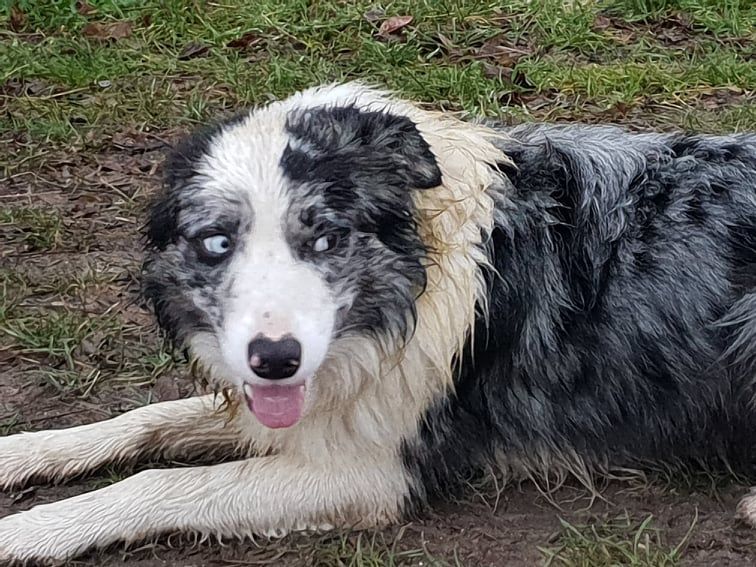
(396, 299)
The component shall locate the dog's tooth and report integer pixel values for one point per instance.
(248, 391)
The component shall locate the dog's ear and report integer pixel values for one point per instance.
(366, 142)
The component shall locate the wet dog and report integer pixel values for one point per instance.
(395, 299)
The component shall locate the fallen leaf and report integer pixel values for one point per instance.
(497, 72)
(393, 25)
(246, 41)
(83, 7)
(193, 49)
(501, 51)
(105, 32)
(136, 142)
(498, 53)
(18, 19)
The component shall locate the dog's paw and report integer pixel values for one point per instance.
(23, 457)
(746, 510)
(42, 455)
(25, 540)
(17, 463)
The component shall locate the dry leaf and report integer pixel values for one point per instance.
(83, 7)
(393, 25)
(17, 19)
(497, 72)
(136, 142)
(193, 49)
(500, 50)
(249, 39)
(105, 32)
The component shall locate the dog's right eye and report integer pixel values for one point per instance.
(214, 247)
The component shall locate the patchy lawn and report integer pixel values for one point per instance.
(91, 94)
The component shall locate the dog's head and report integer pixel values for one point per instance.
(284, 230)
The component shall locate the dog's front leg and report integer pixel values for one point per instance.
(263, 496)
(747, 508)
(171, 429)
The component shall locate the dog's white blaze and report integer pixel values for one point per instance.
(273, 294)
(268, 291)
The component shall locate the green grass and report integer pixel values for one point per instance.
(62, 85)
(721, 17)
(46, 324)
(37, 229)
(616, 542)
(369, 550)
(74, 351)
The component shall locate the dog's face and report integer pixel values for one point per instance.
(283, 231)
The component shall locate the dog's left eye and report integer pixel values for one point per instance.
(216, 246)
(325, 243)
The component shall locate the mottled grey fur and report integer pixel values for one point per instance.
(622, 322)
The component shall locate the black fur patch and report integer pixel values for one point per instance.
(343, 145)
(179, 169)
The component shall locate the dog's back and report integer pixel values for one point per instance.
(621, 323)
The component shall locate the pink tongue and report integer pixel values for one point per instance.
(277, 406)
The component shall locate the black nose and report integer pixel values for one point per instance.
(274, 360)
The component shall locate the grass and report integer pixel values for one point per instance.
(45, 322)
(369, 550)
(63, 86)
(74, 351)
(37, 229)
(67, 90)
(621, 541)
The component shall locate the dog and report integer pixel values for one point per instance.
(394, 299)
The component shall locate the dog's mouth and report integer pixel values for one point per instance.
(276, 406)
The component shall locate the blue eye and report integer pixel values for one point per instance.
(215, 247)
(324, 243)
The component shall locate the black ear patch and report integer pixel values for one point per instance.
(337, 144)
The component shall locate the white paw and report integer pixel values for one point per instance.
(42, 455)
(25, 541)
(40, 537)
(746, 510)
(20, 460)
